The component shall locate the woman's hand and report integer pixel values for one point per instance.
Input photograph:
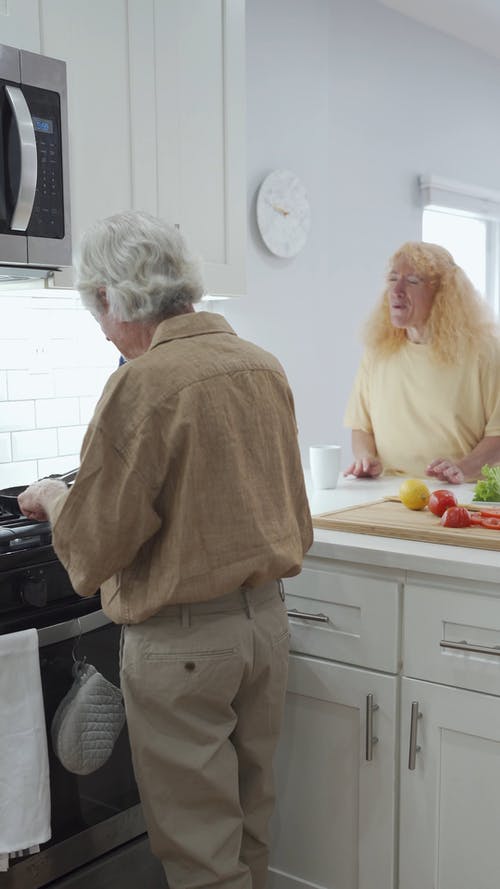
(446, 470)
(365, 467)
(366, 464)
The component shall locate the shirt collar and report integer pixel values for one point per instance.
(188, 325)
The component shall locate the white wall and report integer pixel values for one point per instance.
(358, 101)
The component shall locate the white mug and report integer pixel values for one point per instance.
(324, 461)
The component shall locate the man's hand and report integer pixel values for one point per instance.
(365, 467)
(36, 500)
(446, 470)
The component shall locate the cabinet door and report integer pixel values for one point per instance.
(200, 110)
(335, 815)
(93, 39)
(450, 801)
(20, 24)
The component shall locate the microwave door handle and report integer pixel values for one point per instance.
(29, 163)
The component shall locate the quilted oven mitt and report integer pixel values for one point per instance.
(87, 722)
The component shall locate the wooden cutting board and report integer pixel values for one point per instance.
(386, 518)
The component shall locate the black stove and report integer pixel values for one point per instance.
(35, 590)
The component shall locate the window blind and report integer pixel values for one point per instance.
(470, 199)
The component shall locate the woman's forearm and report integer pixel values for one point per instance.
(486, 451)
(363, 444)
(366, 462)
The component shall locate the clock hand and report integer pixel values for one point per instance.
(280, 210)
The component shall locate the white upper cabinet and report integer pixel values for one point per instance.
(20, 24)
(156, 119)
(200, 114)
(92, 38)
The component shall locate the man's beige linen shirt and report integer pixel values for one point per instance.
(190, 482)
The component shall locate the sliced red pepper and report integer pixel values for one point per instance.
(493, 513)
(476, 518)
(492, 522)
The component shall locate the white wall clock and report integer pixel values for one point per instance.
(283, 213)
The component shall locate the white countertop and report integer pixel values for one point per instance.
(468, 563)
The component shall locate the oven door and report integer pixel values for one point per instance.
(92, 815)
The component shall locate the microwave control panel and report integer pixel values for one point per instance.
(47, 218)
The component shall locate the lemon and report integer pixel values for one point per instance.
(414, 493)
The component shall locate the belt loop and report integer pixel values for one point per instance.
(185, 616)
(281, 589)
(248, 604)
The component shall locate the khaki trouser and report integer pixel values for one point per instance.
(204, 689)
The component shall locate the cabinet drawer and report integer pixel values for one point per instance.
(347, 617)
(452, 637)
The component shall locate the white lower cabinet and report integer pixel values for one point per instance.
(450, 801)
(335, 818)
(421, 809)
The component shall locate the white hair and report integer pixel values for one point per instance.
(144, 265)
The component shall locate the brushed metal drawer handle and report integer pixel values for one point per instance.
(303, 615)
(414, 747)
(371, 739)
(465, 646)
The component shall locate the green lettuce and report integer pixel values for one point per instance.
(488, 488)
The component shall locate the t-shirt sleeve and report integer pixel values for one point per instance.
(357, 414)
(490, 383)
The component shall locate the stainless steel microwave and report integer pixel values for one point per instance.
(35, 228)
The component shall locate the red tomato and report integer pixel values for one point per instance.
(456, 517)
(440, 501)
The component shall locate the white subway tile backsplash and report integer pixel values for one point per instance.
(75, 353)
(22, 384)
(54, 363)
(87, 408)
(70, 439)
(16, 415)
(5, 448)
(18, 473)
(57, 412)
(80, 380)
(14, 354)
(58, 464)
(35, 444)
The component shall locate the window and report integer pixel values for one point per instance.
(465, 220)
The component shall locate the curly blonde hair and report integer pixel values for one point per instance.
(459, 320)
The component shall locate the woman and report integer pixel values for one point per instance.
(426, 399)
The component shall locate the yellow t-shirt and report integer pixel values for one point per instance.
(418, 408)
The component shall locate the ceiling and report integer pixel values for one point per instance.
(475, 21)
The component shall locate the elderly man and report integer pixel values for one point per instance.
(188, 509)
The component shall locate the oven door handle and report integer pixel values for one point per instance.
(69, 629)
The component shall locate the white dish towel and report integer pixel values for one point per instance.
(24, 763)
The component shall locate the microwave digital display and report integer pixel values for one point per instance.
(43, 126)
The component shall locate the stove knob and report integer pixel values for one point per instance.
(34, 592)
